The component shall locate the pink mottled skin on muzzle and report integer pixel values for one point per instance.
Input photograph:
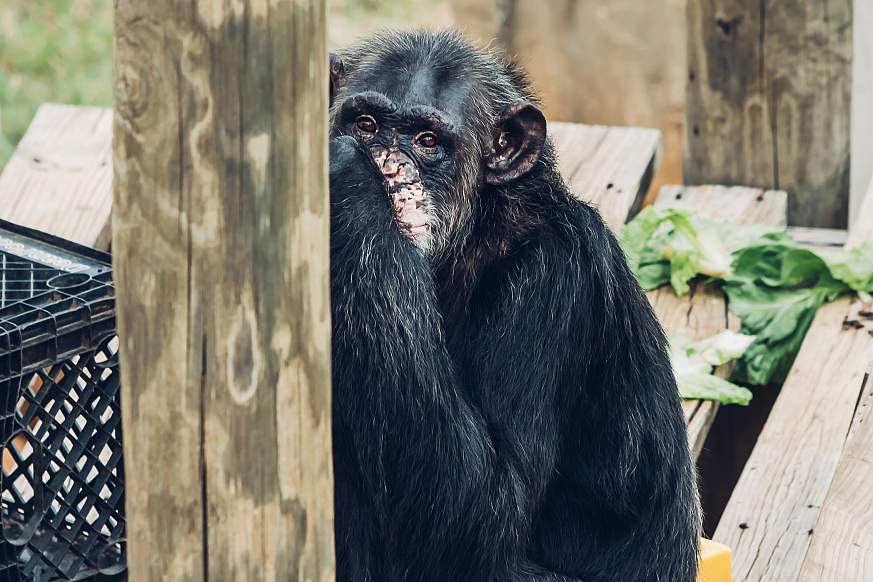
(405, 190)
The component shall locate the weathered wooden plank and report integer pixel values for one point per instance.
(704, 312)
(220, 241)
(59, 179)
(609, 167)
(772, 514)
(842, 542)
(699, 425)
(769, 101)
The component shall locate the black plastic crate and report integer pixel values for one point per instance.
(62, 475)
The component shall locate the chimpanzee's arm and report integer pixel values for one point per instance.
(633, 513)
(576, 342)
(454, 499)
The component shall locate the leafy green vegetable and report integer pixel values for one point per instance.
(775, 291)
(853, 266)
(665, 244)
(693, 364)
(772, 284)
(709, 387)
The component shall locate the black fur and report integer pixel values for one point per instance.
(504, 407)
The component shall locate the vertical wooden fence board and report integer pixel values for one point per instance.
(727, 136)
(769, 101)
(220, 236)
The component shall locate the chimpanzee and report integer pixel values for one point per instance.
(504, 406)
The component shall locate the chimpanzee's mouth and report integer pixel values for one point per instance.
(405, 190)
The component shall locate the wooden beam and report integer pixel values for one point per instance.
(704, 312)
(220, 240)
(59, 180)
(769, 101)
(771, 518)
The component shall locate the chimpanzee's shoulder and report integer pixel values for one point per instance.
(575, 226)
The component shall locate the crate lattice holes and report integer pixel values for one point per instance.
(60, 418)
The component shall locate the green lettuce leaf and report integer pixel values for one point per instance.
(854, 267)
(709, 387)
(776, 290)
(693, 364)
(773, 285)
(637, 234)
(665, 244)
(722, 347)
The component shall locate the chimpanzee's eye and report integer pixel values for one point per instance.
(426, 139)
(366, 126)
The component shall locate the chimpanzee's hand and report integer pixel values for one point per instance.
(354, 174)
(359, 202)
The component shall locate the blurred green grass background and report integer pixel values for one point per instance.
(51, 50)
(61, 50)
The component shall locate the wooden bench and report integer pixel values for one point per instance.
(803, 507)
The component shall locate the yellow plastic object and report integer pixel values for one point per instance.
(715, 562)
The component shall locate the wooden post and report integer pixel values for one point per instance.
(220, 240)
(769, 101)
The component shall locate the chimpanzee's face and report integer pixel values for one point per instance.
(410, 125)
(415, 119)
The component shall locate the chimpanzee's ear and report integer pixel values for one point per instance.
(518, 138)
(337, 75)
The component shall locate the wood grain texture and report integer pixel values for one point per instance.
(220, 239)
(842, 544)
(59, 180)
(771, 518)
(703, 312)
(769, 101)
(608, 167)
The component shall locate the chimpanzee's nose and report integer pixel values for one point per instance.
(390, 135)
